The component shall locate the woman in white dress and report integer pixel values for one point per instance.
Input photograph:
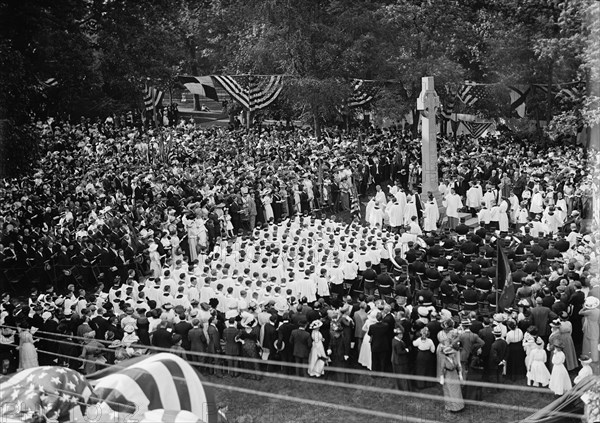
(316, 364)
(560, 382)
(431, 215)
(364, 356)
(267, 200)
(28, 356)
(503, 222)
(155, 264)
(537, 372)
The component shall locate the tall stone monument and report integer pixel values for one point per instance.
(427, 103)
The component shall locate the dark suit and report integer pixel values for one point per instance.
(162, 338)
(541, 316)
(301, 342)
(497, 354)
(286, 350)
(380, 345)
(182, 328)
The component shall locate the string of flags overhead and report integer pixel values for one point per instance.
(256, 92)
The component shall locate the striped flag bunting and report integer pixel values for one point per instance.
(251, 91)
(448, 107)
(477, 129)
(363, 92)
(56, 393)
(355, 206)
(201, 85)
(518, 95)
(470, 93)
(156, 382)
(153, 98)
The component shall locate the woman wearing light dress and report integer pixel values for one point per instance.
(28, 356)
(364, 356)
(560, 382)
(155, 264)
(267, 201)
(537, 372)
(316, 365)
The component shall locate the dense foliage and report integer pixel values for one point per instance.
(102, 51)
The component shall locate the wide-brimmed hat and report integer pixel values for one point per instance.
(115, 344)
(555, 323)
(129, 329)
(585, 359)
(316, 324)
(591, 302)
(497, 330)
(448, 350)
(499, 317)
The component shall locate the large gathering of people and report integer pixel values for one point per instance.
(223, 245)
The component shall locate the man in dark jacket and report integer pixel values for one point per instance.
(301, 343)
(283, 345)
(497, 356)
(380, 343)
(162, 338)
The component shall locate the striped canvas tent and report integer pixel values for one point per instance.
(151, 383)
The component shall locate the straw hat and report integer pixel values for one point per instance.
(591, 302)
(315, 325)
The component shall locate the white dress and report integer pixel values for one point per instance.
(364, 356)
(431, 215)
(317, 351)
(560, 382)
(537, 370)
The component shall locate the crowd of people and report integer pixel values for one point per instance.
(250, 244)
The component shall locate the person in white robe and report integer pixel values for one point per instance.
(513, 201)
(414, 228)
(380, 197)
(474, 197)
(503, 215)
(401, 197)
(561, 207)
(431, 215)
(376, 217)
(484, 215)
(369, 209)
(410, 210)
(489, 198)
(551, 220)
(453, 203)
(495, 216)
(396, 213)
(537, 202)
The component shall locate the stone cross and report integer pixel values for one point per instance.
(428, 103)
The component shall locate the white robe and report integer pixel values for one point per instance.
(409, 211)
(453, 203)
(376, 217)
(474, 197)
(503, 220)
(431, 215)
(396, 213)
(381, 199)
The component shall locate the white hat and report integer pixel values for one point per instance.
(591, 302)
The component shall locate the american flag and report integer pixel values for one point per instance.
(153, 98)
(363, 92)
(469, 93)
(156, 382)
(57, 393)
(253, 92)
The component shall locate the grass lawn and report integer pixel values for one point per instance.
(245, 407)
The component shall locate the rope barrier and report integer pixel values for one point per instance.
(334, 384)
(359, 372)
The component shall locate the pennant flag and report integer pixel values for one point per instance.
(477, 129)
(154, 382)
(201, 85)
(469, 93)
(57, 393)
(504, 280)
(251, 91)
(363, 92)
(518, 94)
